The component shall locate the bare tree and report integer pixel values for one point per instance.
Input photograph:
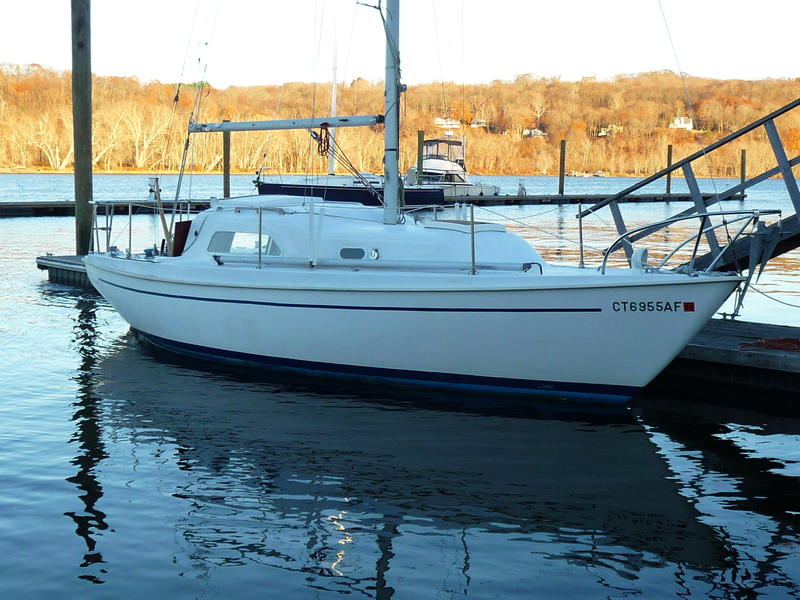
(539, 104)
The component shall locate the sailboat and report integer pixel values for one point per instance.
(340, 287)
(364, 188)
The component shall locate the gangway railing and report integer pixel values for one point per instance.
(700, 202)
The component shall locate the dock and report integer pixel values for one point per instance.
(68, 270)
(66, 208)
(586, 199)
(755, 355)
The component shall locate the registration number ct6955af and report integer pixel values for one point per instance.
(652, 306)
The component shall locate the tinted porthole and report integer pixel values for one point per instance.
(353, 253)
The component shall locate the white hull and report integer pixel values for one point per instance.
(382, 292)
(491, 331)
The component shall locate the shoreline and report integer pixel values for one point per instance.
(219, 173)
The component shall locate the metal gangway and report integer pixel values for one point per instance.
(746, 252)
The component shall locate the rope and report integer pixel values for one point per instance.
(787, 344)
(323, 139)
(752, 287)
(326, 144)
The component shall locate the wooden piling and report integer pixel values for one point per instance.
(226, 162)
(669, 164)
(743, 167)
(82, 122)
(562, 165)
(420, 145)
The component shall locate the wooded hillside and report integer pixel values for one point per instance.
(619, 127)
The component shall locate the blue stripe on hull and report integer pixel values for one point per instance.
(349, 307)
(580, 391)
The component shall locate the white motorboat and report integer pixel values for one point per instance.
(304, 284)
(443, 167)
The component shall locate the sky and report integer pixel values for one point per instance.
(251, 42)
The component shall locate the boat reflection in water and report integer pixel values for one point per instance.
(347, 491)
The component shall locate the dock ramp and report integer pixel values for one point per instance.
(749, 250)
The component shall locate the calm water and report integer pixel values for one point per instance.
(127, 473)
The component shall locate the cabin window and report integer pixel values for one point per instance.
(431, 177)
(352, 253)
(238, 242)
(454, 178)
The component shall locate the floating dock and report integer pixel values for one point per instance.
(756, 355)
(585, 199)
(68, 270)
(66, 208)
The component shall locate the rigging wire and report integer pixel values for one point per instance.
(690, 109)
(176, 98)
(268, 137)
(393, 48)
(175, 103)
(327, 145)
(318, 11)
(519, 221)
(769, 296)
(277, 109)
(340, 95)
(445, 107)
(463, 66)
(170, 121)
(346, 65)
(390, 41)
(688, 97)
(463, 90)
(318, 21)
(392, 45)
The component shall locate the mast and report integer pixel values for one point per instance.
(391, 175)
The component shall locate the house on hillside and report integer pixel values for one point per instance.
(609, 129)
(533, 133)
(685, 123)
(446, 123)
